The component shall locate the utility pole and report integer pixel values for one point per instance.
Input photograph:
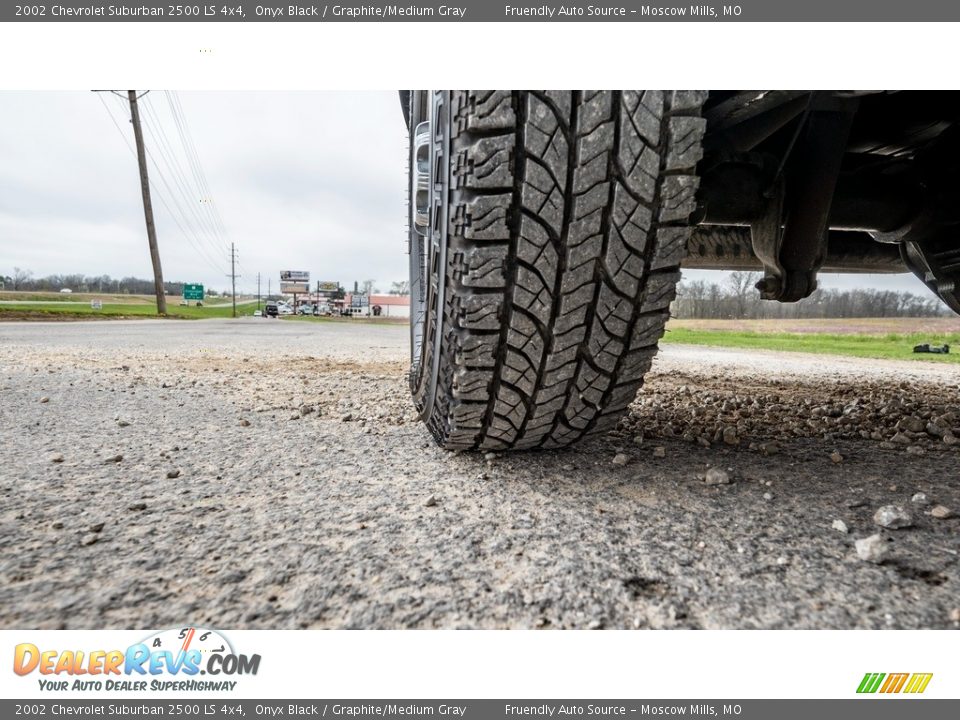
(258, 291)
(233, 277)
(147, 205)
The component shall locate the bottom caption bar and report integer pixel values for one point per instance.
(874, 708)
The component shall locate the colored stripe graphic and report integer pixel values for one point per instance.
(894, 683)
(918, 682)
(870, 682)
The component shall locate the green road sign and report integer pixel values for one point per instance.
(193, 292)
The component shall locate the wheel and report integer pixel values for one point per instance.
(546, 234)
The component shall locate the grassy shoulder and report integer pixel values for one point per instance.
(78, 311)
(888, 346)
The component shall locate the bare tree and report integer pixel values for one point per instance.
(401, 287)
(742, 286)
(20, 277)
(736, 297)
(367, 287)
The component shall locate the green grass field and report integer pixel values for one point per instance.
(64, 311)
(890, 346)
(28, 305)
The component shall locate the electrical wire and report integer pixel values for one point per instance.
(160, 195)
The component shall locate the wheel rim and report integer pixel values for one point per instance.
(419, 227)
(428, 241)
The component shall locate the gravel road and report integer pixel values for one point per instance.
(270, 474)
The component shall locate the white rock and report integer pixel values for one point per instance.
(716, 476)
(840, 526)
(871, 549)
(893, 517)
(620, 459)
(919, 498)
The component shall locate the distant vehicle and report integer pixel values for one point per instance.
(66, 290)
(284, 309)
(306, 309)
(271, 309)
(258, 313)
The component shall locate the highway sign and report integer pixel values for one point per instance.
(294, 276)
(193, 291)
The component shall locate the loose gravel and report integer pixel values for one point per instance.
(271, 474)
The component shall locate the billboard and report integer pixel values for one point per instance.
(294, 288)
(327, 286)
(298, 276)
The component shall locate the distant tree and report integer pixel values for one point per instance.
(20, 278)
(736, 298)
(742, 286)
(368, 287)
(401, 287)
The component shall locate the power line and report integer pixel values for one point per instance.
(169, 157)
(193, 159)
(195, 236)
(160, 195)
(218, 231)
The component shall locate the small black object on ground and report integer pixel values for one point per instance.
(935, 349)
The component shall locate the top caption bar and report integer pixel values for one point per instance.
(487, 11)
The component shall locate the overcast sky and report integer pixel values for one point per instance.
(302, 181)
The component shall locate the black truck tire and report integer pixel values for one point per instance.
(567, 219)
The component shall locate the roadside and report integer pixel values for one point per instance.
(882, 338)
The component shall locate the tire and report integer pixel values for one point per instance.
(559, 229)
